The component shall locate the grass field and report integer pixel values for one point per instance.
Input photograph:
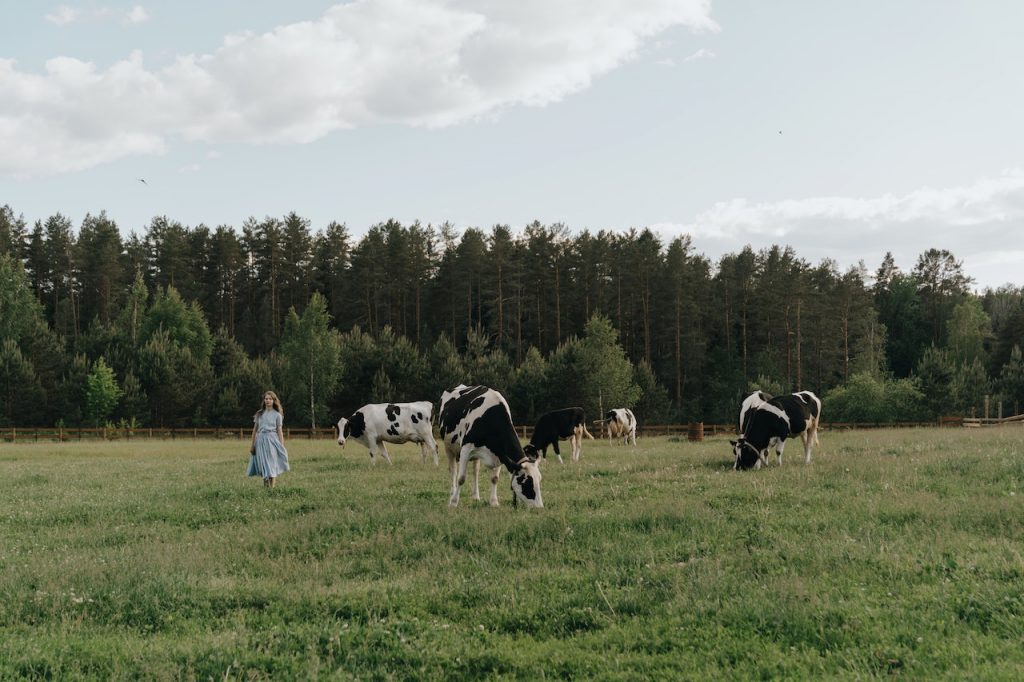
(895, 552)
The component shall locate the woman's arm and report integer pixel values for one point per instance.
(252, 446)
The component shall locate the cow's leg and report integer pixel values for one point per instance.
(495, 472)
(384, 451)
(372, 447)
(576, 441)
(458, 473)
(476, 479)
(808, 437)
(432, 444)
(779, 447)
(557, 453)
(632, 436)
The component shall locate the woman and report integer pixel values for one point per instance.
(269, 458)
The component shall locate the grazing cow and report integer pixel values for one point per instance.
(772, 423)
(621, 424)
(379, 423)
(566, 423)
(752, 401)
(476, 425)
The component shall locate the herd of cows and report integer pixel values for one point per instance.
(475, 425)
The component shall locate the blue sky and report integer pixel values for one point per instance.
(900, 122)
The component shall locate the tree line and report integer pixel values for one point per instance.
(185, 326)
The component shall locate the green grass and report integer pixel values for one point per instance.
(895, 552)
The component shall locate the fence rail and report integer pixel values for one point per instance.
(57, 434)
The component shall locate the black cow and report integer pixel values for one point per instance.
(476, 425)
(566, 423)
(752, 401)
(772, 423)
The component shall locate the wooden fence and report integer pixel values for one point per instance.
(57, 434)
(977, 422)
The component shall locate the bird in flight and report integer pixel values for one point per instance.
(143, 181)
(780, 132)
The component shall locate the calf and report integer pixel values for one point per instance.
(476, 425)
(621, 424)
(379, 423)
(566, 423)
(752, 401)
(774, 421)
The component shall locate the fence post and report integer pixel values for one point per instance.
(986, 406)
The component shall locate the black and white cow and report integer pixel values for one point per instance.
(772, 423)
(755, 399)
(476, 425)
(566, 423)
(379, 423)
(621, 424)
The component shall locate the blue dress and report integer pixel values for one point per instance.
(271, 459)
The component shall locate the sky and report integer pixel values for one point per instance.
(842, 129)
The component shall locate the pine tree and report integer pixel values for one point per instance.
(312, 354)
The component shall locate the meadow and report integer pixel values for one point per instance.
(897, 552)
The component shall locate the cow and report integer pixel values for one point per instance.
(566, 423)
(772, 423)
(621, 424)
(475, 424)
(752, 401)
(379, 423)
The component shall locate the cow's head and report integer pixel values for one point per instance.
(746, 455)
(526, 485)
(531, 451)
(342, 426)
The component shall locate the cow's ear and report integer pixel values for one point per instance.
(733, 442)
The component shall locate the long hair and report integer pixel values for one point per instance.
(277, 404)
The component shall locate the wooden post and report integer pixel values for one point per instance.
(986, 406)
(1000, 410)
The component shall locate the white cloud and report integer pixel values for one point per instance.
(979, 223)
(700, 54)
(190, 168)
(64, 15)
(137, 15)
(425, 63)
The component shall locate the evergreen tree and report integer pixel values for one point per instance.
(653, 404)
(133, 408)
(312, 354)
(21, 394)
(184, 324)
(102, 392)
(934, 375)
(13, 234)
(331, 254)
(381, 390)
(100, 267)
(447, 369)
(1011, 381)
(604, 375)
(529, 395)
(19, 308)
(71, 395)
(969, 331)
(942, 284)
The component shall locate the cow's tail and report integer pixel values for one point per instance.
(585, 432)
